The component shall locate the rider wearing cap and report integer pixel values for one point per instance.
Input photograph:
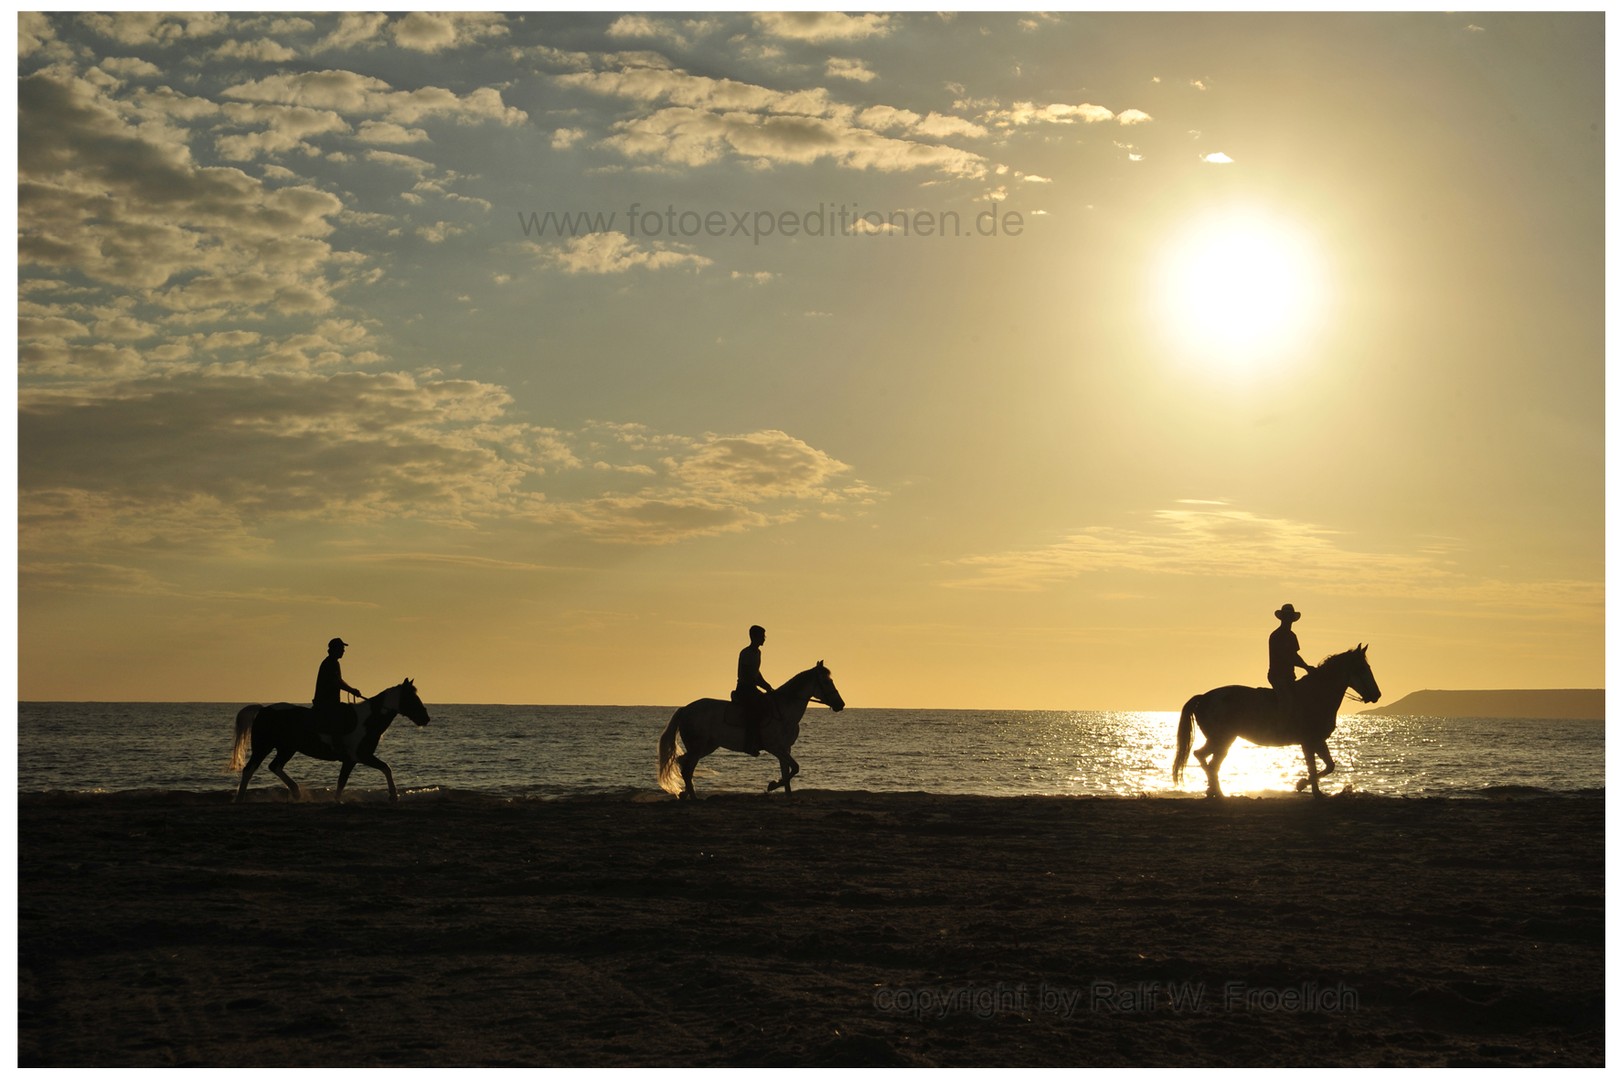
(1285, 656)
(329, 683)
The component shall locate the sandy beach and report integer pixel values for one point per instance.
(825, 928)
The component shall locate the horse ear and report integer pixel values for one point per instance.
(821, 663)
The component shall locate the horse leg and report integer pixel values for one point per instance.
(343, 778)
(247, 772)
(276, 763)
(377, 763)
(790, 769)
(1310, 772)
(1312, 752)
(1210, 756)
(687, 761)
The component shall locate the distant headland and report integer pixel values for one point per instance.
(1521, 704)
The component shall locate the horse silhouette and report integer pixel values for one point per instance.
(1230, 712)
(298, 729)
(709, 724)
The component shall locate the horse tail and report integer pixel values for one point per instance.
(669, 773)
(1184, 735)
(244, 732)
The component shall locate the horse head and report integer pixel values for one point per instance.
(1361, 676)
(823, 689)
(411, 705)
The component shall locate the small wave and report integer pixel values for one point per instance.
(316, 796)
(1529, 791)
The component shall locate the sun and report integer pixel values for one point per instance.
(1240, 290)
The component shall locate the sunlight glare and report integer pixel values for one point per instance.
(1239, 290)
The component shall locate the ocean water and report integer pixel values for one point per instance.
(553, 751)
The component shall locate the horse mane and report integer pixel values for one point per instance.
(797, 679)
(1342, 657)
(397, 686)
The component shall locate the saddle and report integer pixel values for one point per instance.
(334, 720)
(743, 712)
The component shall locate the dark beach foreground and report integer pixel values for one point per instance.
(825, 928)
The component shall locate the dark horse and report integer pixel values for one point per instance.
(297, 729)
(709, 724)
(1228, 712)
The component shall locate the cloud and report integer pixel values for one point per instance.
(1022, 113)
(757, 467)
(1216, 158)
(614, 253)
(352, 94)
(819, 26)
(293, 445)
(125, 205)
(695, 137)
(431, 32)
(35, 33)
(933, 126)
(854, 70)
(563, 138)
(1212, 540)
(219, 461)
(399, 161)
(665, 84)
(284, 128)
(389, 133)
(154, 28)
(642, 26)
(710, 485)
(707, 119)
(354, 28)
(130, 67)
(262, 49)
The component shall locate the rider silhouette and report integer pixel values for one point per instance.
(751, 690)
(1285, 657)
(331, 713)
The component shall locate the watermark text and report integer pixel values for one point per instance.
(1108, 997)
(825, 220)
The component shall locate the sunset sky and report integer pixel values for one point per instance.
(999, 361)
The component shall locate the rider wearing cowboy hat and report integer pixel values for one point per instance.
(1285, 656)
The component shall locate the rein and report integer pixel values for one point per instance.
(1349, 690)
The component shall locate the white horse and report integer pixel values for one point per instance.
(709, 724)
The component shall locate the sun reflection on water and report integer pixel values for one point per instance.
(1120, 754)
(1129, 753)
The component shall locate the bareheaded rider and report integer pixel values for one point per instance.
(751, 690)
